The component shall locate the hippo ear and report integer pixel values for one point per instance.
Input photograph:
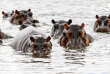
(109, 17)
(16, 11)
(20, 23)
(29, 10)
(32, 39)
(69, 22)
(48, 39)
(3, 12)
(65, 26)
(97, 16)
(53, 21)
(12, 12)
(82, 25)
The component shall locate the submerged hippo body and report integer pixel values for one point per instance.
(27, 24)
(4, 36)
(102, 24)
(58, 27)
(31, 40)
(75, 37)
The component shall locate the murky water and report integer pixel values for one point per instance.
(94, 60)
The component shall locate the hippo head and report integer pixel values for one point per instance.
(26, 12)
(8, 14)
(41, 45)
(72, 36)
(102, 24)
(18, 17)
(58, 27)
(26, 24)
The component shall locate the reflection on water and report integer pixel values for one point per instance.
(76, 56)
(47, 55)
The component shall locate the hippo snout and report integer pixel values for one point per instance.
(75, 46)
(102, 30)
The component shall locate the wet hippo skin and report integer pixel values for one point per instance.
(31, 40)
(102, 24)
(58, 27)
(75, 37)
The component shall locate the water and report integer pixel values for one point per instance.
(95, 59)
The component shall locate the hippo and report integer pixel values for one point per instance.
(22, 16)
(75, 37)
(28, 23)
(4, 36)
(58, 27)
(32, 41)
(102, 24)
(8, 14)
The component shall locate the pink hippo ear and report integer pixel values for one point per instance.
(16, 11)
(97, 16)
(48, 39)
(3, 13)
(82, 25)
(32, 39)
(69, 22)
(29, 10)
(65, 26)
(53, 21)
(12, 12)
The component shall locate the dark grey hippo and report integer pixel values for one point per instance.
(7, 14)
(75, 37)
(58, 27)
(102, 24)
(31, 40)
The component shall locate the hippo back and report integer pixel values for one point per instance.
(22, 41)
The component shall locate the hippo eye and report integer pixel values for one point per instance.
(99, 22)
(64, 34)
(56, 27)
(46, 46)
(79, 33)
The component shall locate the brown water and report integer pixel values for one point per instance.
(95, 59)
